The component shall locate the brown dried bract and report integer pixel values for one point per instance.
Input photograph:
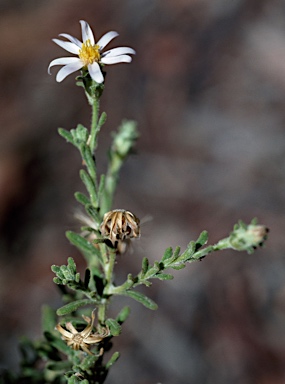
(120, 225)
(84, 339)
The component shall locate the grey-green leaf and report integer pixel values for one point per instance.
(167, 254)
(73, 306)
(114, 327)
(202, 240)
(141, 298)
(66, 135)
(123, 315)
(81, 243)
(113, 359)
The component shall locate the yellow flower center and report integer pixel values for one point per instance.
(89, 53)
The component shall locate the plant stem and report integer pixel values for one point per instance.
(94, 124)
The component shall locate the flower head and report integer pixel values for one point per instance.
(90, 54)
(118, 226)
(82, 340)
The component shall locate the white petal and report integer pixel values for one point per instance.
(119, 51)
(105, 39)
(63, 61)
(95, 72)
(87, 33)
(67, 70)
(116, 59)
(72, 39)
(69, 47)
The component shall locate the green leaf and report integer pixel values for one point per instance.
(48, 318)
(59, 365)
(101, 188)
(66, 272)
(89, 160)
(145, 265)
(114, 327)
(82, 244)
(164, 276)
(58, 343)
(88, 362)
(73, 306)
(178, 266)
(81, 198)
(141, 298)
(202, 240)
(176, 253)
(71, 265)
(123, 315)
(66, 135)
(167, 254)
(191, 248)
(102, 119)
(113, 359)
(73, 380)
(93, 212)
(57, 280)
(90, 186)
(57, 270)
(80, 134)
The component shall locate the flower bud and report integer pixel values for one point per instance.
(248, 237)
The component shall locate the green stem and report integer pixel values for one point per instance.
(102, 308)
(111, 182)
(94, 124)
(109, 267)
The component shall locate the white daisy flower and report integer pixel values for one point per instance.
(90, 55)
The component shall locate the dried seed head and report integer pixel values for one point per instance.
(119, 226)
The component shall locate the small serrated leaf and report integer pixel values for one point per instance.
(80, 134)
(114, 327)
(176, 253)
(66, 272)
(141, 298)
(57, 280)
(202, 240)
(77, 277)
(57, 270)
(73, 306)
(145, 265)
(71, 265)
(164, 276)
(191, 248)
(167, 254)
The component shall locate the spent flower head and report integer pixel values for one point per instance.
(119, 226)
(84, 339)
(90, 54)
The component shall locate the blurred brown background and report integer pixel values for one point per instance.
(207, 87)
